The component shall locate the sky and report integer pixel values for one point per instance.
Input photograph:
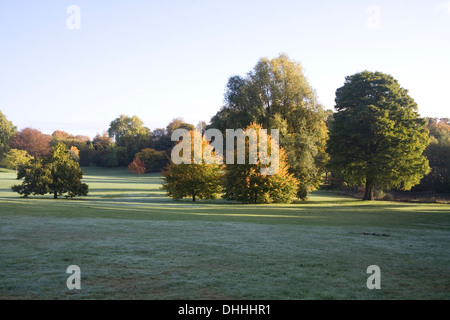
(77, 65)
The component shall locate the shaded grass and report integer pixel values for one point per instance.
(132, 242)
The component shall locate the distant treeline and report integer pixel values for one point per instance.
(126, 139)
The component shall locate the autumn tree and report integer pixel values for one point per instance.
(247, 183)
(60, 135)
(377, 137)
(196, 179)
(56, 174)
(7, 132)
(36, 143)
(137, 166)
(276, 94)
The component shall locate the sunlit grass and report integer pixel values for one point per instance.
(132, 242)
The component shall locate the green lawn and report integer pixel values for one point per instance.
(132, 242)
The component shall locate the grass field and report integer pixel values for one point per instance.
(132, 242)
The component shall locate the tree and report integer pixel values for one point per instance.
(160, 140)
(154, 161)
(197, 180)
(60, 135)
(113, 156)
(81, 147)
(16, 158)
(7, 132)
(377, 137)
(56, 174)
(137, 166)
(33, 141)
(102, 142)
(438, 180)
(87, 154)
(178, 123)
(438, 155)
(245, 182)
(82, 138)
(130, 133)
(74, 153)
(439, 130)
(37, 178)
(276, 94)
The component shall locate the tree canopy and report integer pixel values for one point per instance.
(36, 143)
(137, 166)
(276, 94)
(130, 133)
(7, 132)
(56, 174)
(201, 180)
(245, 182)
(438, 155)
(16, 158)
(154, 160)
(377, 138)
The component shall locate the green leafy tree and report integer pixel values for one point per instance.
(7, 132)
(196, 180)
(130, 133)
(377, 138)
(245, 182)
(277, 95)
(154, 160)
(438, 155)
(16, 158)
(36, 177)
(438, 180)
(81, 148)
(102, 142)
(160, 140)
(56, 174)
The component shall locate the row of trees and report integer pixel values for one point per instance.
(125, 140)
(241, 182)
(376, 137)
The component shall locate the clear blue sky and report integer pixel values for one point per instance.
(165, 59)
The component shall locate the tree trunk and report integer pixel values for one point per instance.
(193, 196)
(55, 195)
(368, 193)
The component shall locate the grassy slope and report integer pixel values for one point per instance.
(132, 242)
